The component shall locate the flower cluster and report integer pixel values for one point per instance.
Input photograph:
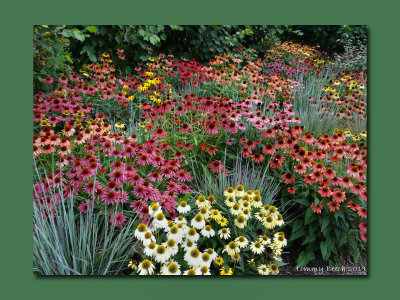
(237, 237)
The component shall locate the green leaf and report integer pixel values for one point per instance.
(324, 250)
(303, 259)
(309, 216)
(154, 39)
(303, 202)
(325, 223)
(309, 239)
(78, 35)
(297, 225)
(66, 33)
(92, 57)
(92, 29)
(298, 233)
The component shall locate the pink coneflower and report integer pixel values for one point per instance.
(179, 155)
(48, 80)
(211, 128)
(185, 128)
(309, 180)
(84, 206)
(339, 195)
(121, 197)
(317, 209)
(325, 192)
(63, 79)
(91, 186)
(358, 188)
(118, 219)
(86, 173)
(230, 142)
(159, 133)
(143, 159)
(116, 176)
(333, 205)
(141, 191)
(216, 166)
(154, 176)
(109, 196)
(288, 178)
(291, 190)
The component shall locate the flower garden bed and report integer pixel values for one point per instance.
(188, 168)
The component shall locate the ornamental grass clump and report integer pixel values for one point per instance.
(233, 237)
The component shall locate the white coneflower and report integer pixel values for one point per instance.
(240, 221)
(241, 241)
(260, 216)
(192, 235)
(202, 202)
(257, 247)
(264, 240)
(198, 222)
(273, 211)
(188, 245)
(207, 231)
(169, 225)
(204, 270)
(206, 259)
(191, 272)
(183, 207)
(280, 240)
(212, 253)
(150, 249)
(231, 248)
(146, 267)
(279, 220)
(193, 257)
(204, 212)
(245, 201)
(180, 219)
(230, 192)
(246, 212)
(224, 233)
(161, 254)
(172, 247)
(239, 191)
(274, 269)
(170, 268)
(229, 201)
(269, 222)
(160, 221)
(148, 238)
(257, 202)
(263, 270)
(175, 233)
(183, 228)
(140, 231)
(235, 209)
(154, 209)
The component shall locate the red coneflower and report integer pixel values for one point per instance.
(288, 178)
(333, 205)
(216, 166)
(325, 192)
(291, 190)
(268, 149)
(257, 157)
(362, 212)
(339, 195)
(352, 205)
(317, 209)
(211, 128)
(300, 169)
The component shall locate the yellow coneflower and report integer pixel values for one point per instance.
(219, 261)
